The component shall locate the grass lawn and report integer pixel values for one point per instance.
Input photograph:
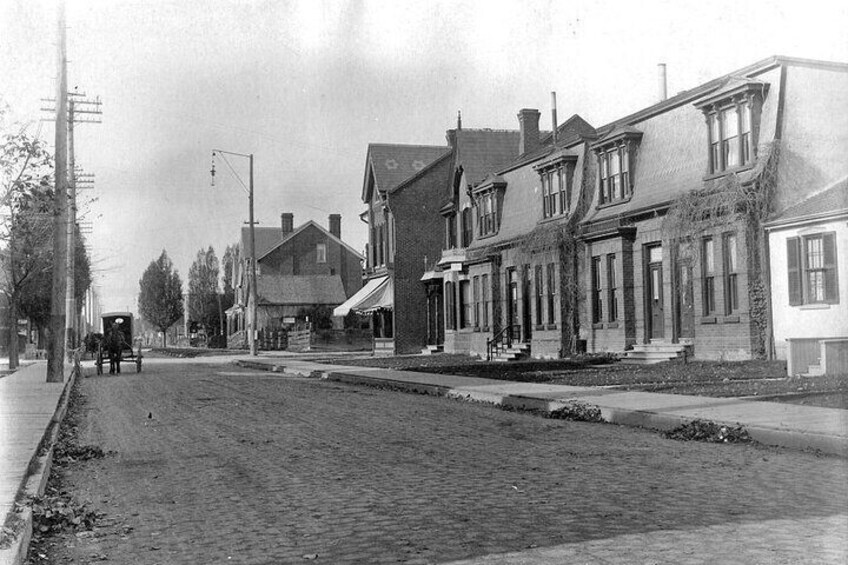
(765, 380)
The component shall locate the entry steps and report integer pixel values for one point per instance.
(431, 349)
(514, 353)
(653, 353)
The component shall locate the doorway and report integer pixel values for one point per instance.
(655, 317)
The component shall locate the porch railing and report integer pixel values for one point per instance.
(502, 340)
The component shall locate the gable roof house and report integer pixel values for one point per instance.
(298, 270)
(400, 189)
(676, 258)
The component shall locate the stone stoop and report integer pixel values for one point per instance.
(431, 349)
(514, 353)
(653, 353)
(814, 371)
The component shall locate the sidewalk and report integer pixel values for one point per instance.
(28, 406)
(770, 423)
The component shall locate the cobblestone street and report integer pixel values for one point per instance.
(216, 464)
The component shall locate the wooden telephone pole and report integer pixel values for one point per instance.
(56, 333)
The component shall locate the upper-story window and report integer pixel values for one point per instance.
(487, 197)
(321, 253)
(450, 231)
(732, 116)
(556, 176)
(616, 161)
(467, 227)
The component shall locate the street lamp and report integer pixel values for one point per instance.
(249, 189)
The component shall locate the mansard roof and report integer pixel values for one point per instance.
(482, 151)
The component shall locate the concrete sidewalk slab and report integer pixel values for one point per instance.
(771, 423)
(28, 407)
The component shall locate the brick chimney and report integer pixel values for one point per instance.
(336, 225)
(287, 222)
(528, 119)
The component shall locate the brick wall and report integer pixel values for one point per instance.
(419, 232)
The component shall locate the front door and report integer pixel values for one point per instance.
(526, 314)
(512, 298)
(685, 302)
(655, 316)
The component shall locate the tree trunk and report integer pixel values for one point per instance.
(13, 333)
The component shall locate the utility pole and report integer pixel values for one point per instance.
(71, 313)
(252, 321)
(56, 341)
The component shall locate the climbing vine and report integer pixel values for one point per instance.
(742, 197)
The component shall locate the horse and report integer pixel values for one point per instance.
(115, 343)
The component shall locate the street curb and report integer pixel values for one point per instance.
(647, 419)
(36, 481)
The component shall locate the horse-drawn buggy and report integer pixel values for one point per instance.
(116, 345)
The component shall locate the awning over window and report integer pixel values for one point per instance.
(370, 293)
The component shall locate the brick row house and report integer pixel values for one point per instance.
(298, 270)
(646, 236)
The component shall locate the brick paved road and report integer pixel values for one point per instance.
(237, 466)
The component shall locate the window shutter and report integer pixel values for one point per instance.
(793, 256)
(831, 286)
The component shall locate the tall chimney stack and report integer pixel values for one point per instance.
(553, 115)
(287, 223)
(661, 82)
(528, 119)
(336, 225)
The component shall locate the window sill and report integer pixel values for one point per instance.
(487, 235)
(817, 306)
(614, 203)
(551, 327)
(731, 171)
(730, 320)
(708, 320)
(539, 327)
(612, 325)
(555, 217)
(597, 326)
(484, 329)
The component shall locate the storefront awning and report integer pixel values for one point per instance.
(383, 298)
(363, 294)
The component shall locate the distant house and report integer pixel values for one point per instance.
(809, 282)
(298, 270)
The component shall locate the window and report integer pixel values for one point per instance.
(450, 308)
(708, 275)
(467, 227)
(551, 288)
(465, 304)
(731, 285)
(556, 178)
(812, 269)
(597, 303)
(730, 136)
(615, 165)
(540, 293)
(321, 253)
(450, 229)
(612, 290)
(476, 291)
(484, 281)
(486, 214)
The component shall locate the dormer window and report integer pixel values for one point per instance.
(616, 162)
(732, 116)
(487, 197)
(556, 176)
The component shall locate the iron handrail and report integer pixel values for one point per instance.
(495, 344)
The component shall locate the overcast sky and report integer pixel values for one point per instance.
(306, 85)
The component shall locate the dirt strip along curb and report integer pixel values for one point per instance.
(38, 472)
